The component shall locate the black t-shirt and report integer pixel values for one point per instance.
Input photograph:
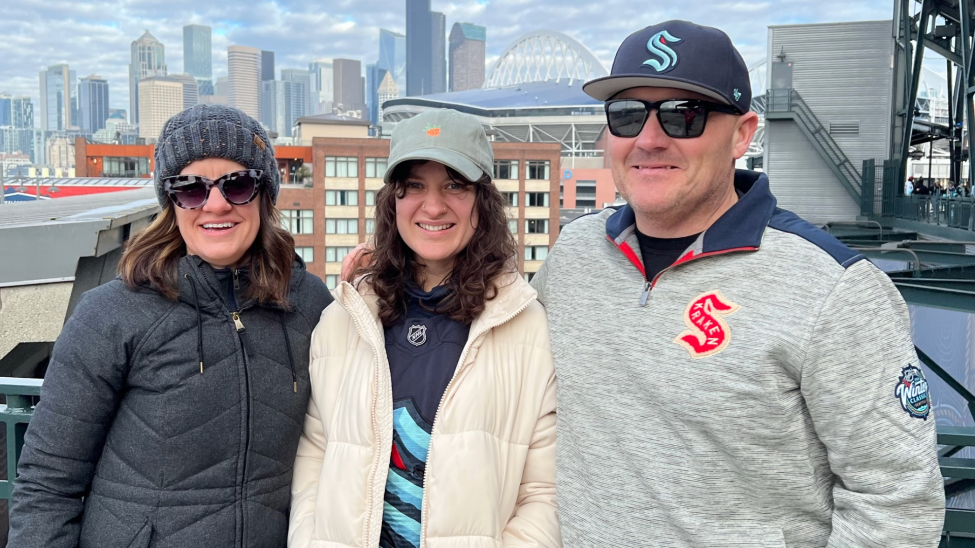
(659, 253)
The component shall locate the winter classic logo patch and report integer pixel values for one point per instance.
(708, 333)
(912, 391)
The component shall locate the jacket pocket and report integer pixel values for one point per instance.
(143, 537)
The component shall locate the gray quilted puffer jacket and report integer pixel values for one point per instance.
(132, 446)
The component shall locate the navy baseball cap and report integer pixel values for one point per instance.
(682, 55)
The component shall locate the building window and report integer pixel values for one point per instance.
(375, 167)
(132, 167)
(307, 254)
(297, 221)
(529, 276)
(341, 197)
(506, 169)
(341, 226)
(537, 169)
(536, 226)
(370, 197)
(331, 280)
(341, 166)
(536, 252)
(336, 254)
(370, 226)
(536, 199)
(513, 226)
(510, 198)
(586, 194)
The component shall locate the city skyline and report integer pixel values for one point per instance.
(82, 37)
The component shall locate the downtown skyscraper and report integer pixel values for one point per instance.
(198, 56)
(348, 84)
(93, 103)
(425, 50)
(392, 60)
(467, 43)
(244, 79)
(58, 99)
(322, 92)
(148, 59)
(285, 100)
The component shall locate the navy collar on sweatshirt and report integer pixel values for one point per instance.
(741, 227)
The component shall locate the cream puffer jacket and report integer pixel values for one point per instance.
(490, 474)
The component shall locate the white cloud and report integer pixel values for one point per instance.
(95, 36)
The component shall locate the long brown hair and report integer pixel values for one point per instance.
(150, 258)
(477, 268)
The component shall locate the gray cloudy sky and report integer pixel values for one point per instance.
(94, 36)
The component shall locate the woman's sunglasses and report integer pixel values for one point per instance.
(192, 191)
(679, 118)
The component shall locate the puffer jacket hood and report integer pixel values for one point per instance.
(132, 445)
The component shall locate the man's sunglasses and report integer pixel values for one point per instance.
(192, 191)
(679, 118)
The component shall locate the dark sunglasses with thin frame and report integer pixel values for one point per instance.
(192, 191)
(679, 118)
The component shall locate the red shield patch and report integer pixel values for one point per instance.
(708, 333)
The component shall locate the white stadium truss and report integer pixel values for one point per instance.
(542, 56)
(757, 73)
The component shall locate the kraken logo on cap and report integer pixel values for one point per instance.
(657, 45)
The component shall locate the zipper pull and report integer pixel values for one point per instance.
(236, 281)
(646, 294)
(237, 322)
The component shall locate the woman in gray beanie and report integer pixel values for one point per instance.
(174, 399)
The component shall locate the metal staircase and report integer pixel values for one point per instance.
(787, 104)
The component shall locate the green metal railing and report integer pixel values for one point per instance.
(20, 395)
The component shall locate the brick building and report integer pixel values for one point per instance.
(328, 193)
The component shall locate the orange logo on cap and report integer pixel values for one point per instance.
(708, 333)
(432, 131)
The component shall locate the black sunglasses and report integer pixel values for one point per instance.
(679, 118)
(192, 191)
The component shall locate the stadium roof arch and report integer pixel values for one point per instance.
(534, 94)
(540, 56)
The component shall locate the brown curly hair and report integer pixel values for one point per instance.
(477, 268)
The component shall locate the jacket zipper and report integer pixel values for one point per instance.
(433, 427)
(648, 284)
(375, 425)
(239, 326)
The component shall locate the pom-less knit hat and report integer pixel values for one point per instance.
(214, 131)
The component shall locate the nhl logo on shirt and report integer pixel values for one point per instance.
(417, 335)
(912, 391)
(707, 332)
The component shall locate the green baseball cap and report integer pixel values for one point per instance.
(452, 138)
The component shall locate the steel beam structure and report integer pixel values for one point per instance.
(945, 27)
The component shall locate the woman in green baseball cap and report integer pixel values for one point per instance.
(432, 418)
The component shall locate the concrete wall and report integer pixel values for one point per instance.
(32, 313)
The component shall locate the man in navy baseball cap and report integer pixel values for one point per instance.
(729, 375)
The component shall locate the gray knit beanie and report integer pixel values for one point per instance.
(214, 131)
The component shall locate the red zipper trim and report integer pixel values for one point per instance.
(630, 254)
(690, 256)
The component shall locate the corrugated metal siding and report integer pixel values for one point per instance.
(843, 72)
(801, 180)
